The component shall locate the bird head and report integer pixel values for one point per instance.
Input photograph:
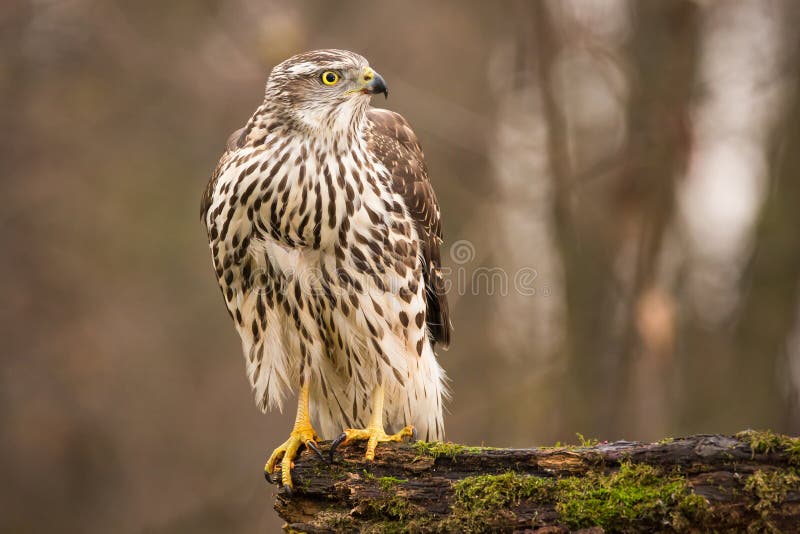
(323, 89)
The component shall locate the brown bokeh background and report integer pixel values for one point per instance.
(620, 183)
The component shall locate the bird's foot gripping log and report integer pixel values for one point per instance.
(746, 482)
(374, 433)
(302, 435)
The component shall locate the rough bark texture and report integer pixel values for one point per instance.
(747, 482)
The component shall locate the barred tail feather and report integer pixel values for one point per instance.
(424, 397)
(268, 365)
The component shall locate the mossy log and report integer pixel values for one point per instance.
(746, 482)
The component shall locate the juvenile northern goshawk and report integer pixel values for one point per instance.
(324, 233)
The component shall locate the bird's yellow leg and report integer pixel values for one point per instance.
(374, 433)
(302, 434)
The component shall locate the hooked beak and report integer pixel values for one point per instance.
(373, 83)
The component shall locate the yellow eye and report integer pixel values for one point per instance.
(329, 77)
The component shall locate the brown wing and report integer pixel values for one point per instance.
(394, 143)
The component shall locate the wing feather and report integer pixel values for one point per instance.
(393, 141)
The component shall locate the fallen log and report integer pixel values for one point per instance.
(746, 482)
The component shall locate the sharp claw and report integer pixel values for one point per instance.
(338, 441)
(267, 476)
(287, 490)
(413, 434)
(313, 446)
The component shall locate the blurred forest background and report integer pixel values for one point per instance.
(638, 162)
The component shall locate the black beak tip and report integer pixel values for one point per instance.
(377, 85)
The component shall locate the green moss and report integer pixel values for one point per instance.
(337, 521)
(635, 495)
(412, 526)
(438, 449)
(769, 488)
(390, 514)
(766, 441)
(395, 507)
(491, 492)
(335, 472)
(388, 483)
(586, 442)
(793, 450)
(304, 484)
(582, 442)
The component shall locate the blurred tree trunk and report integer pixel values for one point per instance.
(584, 259)
(770, 304)
(664, 56)
(614, 256)
(531, 348)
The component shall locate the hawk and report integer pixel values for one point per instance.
(324, 233)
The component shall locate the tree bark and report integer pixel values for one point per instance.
(747, 482)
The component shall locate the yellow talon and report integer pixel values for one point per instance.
(374, 433)
(302, 434)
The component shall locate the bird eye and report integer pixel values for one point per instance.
(329, 77)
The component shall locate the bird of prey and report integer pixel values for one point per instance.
(324, 233)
